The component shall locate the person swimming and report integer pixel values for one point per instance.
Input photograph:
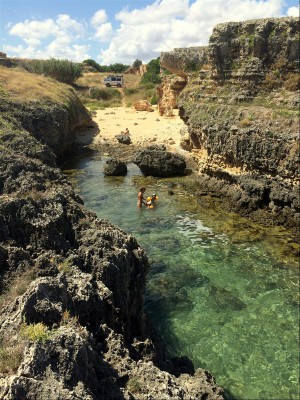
(151, 201)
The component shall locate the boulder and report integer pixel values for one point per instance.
(143, 105)
(156, 161)
(124, 139)
(114, 167)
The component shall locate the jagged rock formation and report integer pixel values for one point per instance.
(72, 324)
(241, 111)
(183, 61)
(168, 93)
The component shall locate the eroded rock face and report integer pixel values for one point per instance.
(50, 123)
(183, 61)
(156, 161)
(168, 93)
(241, 115)
(72, 324)
(248, 50)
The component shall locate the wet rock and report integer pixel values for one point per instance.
(115, 167)
(156, 161)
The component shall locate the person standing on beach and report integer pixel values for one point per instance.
(141, 199)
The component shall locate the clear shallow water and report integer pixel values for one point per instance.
(218, 290)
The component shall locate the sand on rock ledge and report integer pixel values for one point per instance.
(145, 127)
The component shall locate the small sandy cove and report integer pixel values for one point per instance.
(145, 127)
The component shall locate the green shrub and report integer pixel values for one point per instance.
(62, 70)
(152, 73)
(92, 63)
(130, 91)
(35, 332)
(137, 63)
(100, 94)
(99, 98)
(153, 100)
(148, 85)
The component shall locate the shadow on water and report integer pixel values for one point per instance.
(218, 291)
(230, 396)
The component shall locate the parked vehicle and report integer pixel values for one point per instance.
(114, 80)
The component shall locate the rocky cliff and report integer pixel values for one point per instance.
(72, 324)
(240, 104)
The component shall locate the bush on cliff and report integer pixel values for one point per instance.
(152, 74)
(62, 70)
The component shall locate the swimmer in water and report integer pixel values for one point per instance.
(141, 199)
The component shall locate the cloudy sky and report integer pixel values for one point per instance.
(120, 30)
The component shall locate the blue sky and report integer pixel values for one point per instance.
(120, 30)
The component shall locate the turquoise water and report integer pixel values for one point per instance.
(219, 290)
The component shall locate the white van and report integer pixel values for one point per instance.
(114, 80)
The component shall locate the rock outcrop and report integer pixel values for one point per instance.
(115, 167)
(123, 139)
(72, 324)
(156, 161)
(168, 92)
(143, 105)
(240, 107)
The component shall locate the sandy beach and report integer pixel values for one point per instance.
(145, 127)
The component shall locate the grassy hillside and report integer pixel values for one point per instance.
(17, 84)
(22, 86)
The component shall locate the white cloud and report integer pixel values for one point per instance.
(99, 18)
(49, 38)
(142, 33)
(293, 11)
(104, 32)
(167, 24)
(28, 30)
(67, 24)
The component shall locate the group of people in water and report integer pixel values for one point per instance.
(149, 202)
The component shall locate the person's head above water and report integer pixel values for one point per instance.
(142, 189)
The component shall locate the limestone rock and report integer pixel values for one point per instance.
(168, 92)
(143, 105)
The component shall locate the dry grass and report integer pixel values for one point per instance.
(11, 354)
(23, 86)
(17, 288)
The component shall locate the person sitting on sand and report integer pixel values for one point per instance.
(126, 132)
(141, 199)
